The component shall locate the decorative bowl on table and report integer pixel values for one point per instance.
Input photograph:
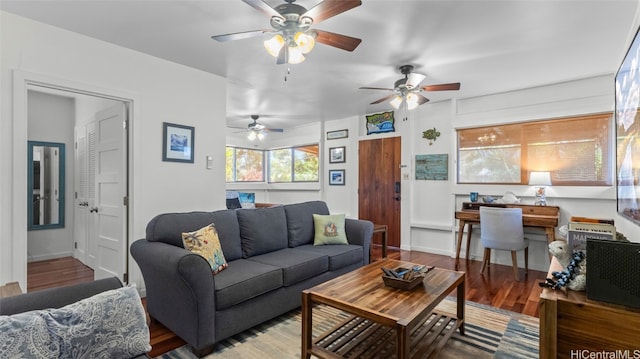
(407, 280)
(488, 199)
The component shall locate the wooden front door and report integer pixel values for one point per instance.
(379, 184)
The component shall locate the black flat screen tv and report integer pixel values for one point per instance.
(627, 101)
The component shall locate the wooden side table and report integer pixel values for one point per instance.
(382, 228)
(570, 323)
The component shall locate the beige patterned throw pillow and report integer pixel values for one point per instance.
(206, 243)
(329, 229)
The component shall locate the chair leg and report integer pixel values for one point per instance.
(526, 260)
(485, 259)
(514, 260)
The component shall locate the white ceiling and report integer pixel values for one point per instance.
(487, 46)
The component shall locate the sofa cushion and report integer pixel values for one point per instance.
(340, 256)
(300, 226)
(243, 280)
(111, 324)
(205, 242)
(262, 230)
(329, 229)
(296, 265)
(168, 228)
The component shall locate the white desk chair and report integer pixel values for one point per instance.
(501, 228)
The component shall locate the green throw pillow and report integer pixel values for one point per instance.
(329, 229)
(206, 243)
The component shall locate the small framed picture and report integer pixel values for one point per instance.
(177, 143)
(337, 155)
(336, 177)
(333, 135)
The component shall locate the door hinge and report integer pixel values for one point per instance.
(125, 200)
(125, 277)
(75, 245)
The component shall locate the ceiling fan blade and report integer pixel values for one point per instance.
(263, 7)
(240, 35)
(274, 130)
(421, 99)
(414, 79)
(329, 8)
(382, 99)
(442, 87)
(343, 42)
(375, 88)
(283, 55)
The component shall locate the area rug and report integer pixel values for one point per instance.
(489, 333)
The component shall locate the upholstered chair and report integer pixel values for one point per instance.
(501, 229)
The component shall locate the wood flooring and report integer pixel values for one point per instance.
(496, 287)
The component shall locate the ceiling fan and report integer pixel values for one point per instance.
(258, 130)
(408, 89)
(291, 26)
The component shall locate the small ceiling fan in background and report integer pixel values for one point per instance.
(291, 26)
(407, 90)
(257, 130)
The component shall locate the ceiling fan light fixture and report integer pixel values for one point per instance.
(261, 135)
(274, 45)
(412, 101)
(305, 41)
(396, 102)
(296, 55)
(252, 136)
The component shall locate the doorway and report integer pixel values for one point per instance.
(96, 232)
(379, 192)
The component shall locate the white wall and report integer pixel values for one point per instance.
(161, 92)
(51, 119)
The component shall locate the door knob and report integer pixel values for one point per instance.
(93, 209)
(397, 198)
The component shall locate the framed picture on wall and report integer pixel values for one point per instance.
(336, 177)
(334, 135)
(337, 154)
(177, 143)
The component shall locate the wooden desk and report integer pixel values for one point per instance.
(532, 216)
(569, 322)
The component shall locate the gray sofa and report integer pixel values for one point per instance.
(93, 319)
(271, 260)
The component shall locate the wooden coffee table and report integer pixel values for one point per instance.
(383, 315)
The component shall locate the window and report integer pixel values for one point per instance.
(244, 165)
(291, 164)
(576, 151)
(294, 164)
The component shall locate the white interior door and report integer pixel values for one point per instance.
(110, 211)
(81, 202)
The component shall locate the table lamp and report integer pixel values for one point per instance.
(540, 180)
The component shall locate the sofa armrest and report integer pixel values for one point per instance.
(56, 297)
(359, 232)
(179, 290)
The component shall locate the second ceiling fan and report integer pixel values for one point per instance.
(257, 130)
(408, 89)
(291, 26)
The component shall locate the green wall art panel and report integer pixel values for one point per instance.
(432, 167)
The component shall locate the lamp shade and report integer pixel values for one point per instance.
(396, 102)
(540, 179)
(274, 45)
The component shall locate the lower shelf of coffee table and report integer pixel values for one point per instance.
(358, 337)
